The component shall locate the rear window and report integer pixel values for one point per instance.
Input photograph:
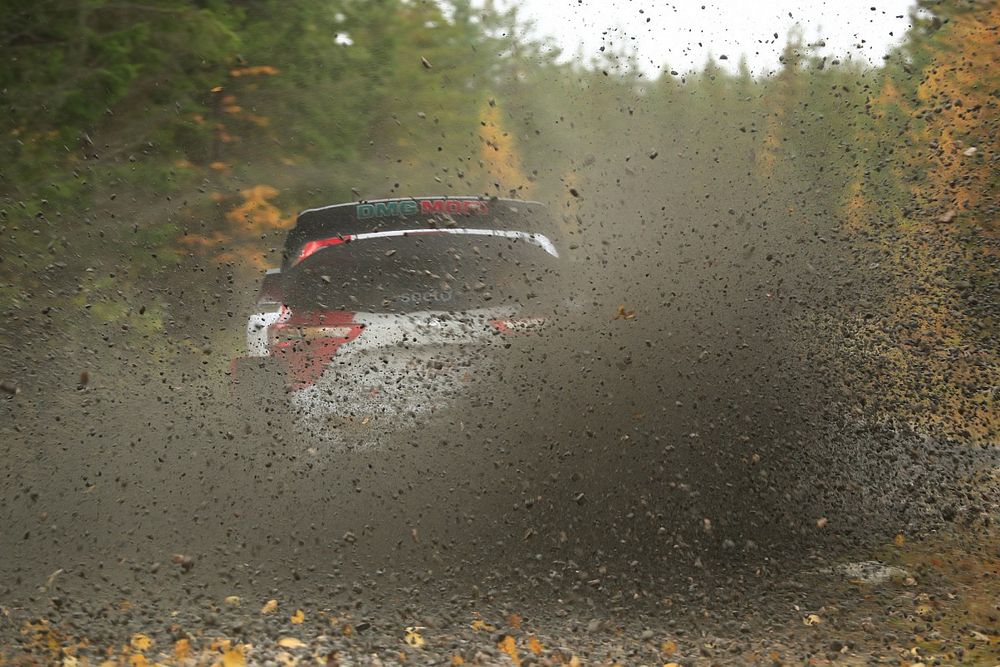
(441, 272)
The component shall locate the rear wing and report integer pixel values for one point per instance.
(383, 215)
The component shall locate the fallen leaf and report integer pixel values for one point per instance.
(947, 216)
(233, 600)
(413, 637)
(821, 522)
(669, 647)
(509, 646)
(234, 657)
(899, 540)
(480, 624)
(182, 649)
(290, 642)
(514, 621)
(812, 619)
(269, 607)
(623, 314)
(140, 642)
(298, 617)
(535, 646)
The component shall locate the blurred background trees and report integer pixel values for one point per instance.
(144, 141)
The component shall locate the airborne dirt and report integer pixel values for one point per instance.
(674, 470)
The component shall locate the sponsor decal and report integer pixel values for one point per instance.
(405, 207)
(432, 296)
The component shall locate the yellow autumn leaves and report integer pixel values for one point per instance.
(413, 637)
(499, 154)
(247, 220)
(271, 606)
(935, 371)
(141, 650)
(508, 645)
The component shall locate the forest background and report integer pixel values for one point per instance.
(153, 155)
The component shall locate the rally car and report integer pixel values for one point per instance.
(386, 312)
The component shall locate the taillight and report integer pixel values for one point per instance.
(314, 247)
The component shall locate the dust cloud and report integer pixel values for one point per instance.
(680, 415)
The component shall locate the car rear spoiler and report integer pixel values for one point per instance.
(380, 215)
(272, 288)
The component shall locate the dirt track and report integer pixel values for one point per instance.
(676, 460)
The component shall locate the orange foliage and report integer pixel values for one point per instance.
(257, 70)
(240, 242)
(257, 212)
(857, 209)
(957, 90)
(499, 153)
(930, 367)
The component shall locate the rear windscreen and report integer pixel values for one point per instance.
(442, 272)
